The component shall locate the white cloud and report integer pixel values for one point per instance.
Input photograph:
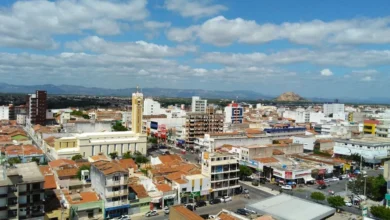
(367, 78)
(221, 31)
(156, 25)
(194, 8)
(326, 72)
(131, 49)
(32, 23)
(347, 58)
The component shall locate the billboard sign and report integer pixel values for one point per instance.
(154, 125)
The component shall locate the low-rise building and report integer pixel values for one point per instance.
(180, 212)
(139, 199)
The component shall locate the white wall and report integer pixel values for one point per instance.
(308, 142)
(332, 108)
(4, 113)
(151, 107)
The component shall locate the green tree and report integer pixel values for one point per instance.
(14, 160)
(245, 171)
(127, 155)
(152, 140)
(141, 159)
(375, 187)
(336, 201)
(318, 196)
(113, 155)
(83, 167)
(35, 159)
(119, 127)
(355, 158)
(380, 212)
(77, 157)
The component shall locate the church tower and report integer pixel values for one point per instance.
(136, 111)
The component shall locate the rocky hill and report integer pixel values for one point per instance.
(289, 97)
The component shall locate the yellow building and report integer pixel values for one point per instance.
(370, 126)
(136, 112)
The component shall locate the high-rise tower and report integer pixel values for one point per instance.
(136, 111)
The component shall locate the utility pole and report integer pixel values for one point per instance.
(361, 158)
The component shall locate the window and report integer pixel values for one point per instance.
(90, 213)
(116, 188)
(116, 178)
(184, 189)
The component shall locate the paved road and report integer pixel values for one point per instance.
(239, 201)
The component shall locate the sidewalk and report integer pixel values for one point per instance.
(262, 188)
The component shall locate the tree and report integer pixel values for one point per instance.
(245, 171)
(119, 127)
(141, 159)
(380, 212)
(318, 196)
(336, 201)
(83, 167)
(14, 160)
(35, 159)
(152, 140)
(356, 158)
(127, 155)
(113, 155)
(77, 157)
(375, 187)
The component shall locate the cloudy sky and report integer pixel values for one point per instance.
(326, 48)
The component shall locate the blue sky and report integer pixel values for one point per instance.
(330, 49)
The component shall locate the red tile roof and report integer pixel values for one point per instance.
(21, 150)
(60, 162)
(139, 190)
(185, 214)
(50, 182)
(163, 187)
(266, 160)
(108, 167)
(128, 163)
(72, 172)
(45, 170)
(376, 122)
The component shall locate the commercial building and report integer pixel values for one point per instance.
(16, 110)
(198, 105)
(36, 108)
(222, 169)
(151, 107)
(382, 129)
(109, 180)
(4, 112)
(370, 126)
(333, 108)
(307, 141)
(302, 116)
(234, 114)
(22, 192)
(199, 124)
(136, 111)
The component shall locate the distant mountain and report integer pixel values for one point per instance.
(289, 97)
(158, 92)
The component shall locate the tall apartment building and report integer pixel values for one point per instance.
(151, 107)
(234, 114)
(109, 180)
(14, 111)
(222, 169)
(198, 124)
(333, 108)
(36, 107)
(4, 113)
(137, 101)
(198, 105)
(22, 192)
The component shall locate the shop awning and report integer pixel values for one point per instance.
(156, 200)
(308, 178)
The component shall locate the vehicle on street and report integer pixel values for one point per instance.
(287, 187)
(200, 203)
(349, 204)
(322, 187)
(166, 210)
(151, 213)
(226, 199)
(214, 201)
(250, 211)
(328, 180)
(191, 207)
(344, 176)
(255, 182)
(246, 191)
(242, 212)
(335, 179)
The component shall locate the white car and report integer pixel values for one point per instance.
(327, 180)
(246, 191)
(250, 211)
(335, 179)
(151, 213)
(166, 210)
(226, 199)
(344, 176)
(348, 204)
(287, 187)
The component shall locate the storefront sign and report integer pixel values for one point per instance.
(278, 174)
(288, 175)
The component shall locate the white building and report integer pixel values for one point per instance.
(4, 112)
(198, 105)
(222, 169)
(109, 180)
(302, 116)
(333, 108)
(21, 119)
(383, 128)
(307, 141)
(234, 114)
(151, 107)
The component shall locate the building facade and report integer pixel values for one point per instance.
(383, 129)
(234, 114)
(333, 108)
(222, 169)
(4, 112)
(136, 111)
(109, 180)
(151, 107)
(198, 105)
(36, 108)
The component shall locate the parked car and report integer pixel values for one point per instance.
(328, 180)
(151, 213)
(242, 212)
(344, 176)
(214, 201)
(246, 191)
(166, 210)
(255, 182)
(349, 204)
(322, 186)
(200, 203)
(226, 199)
(250, 211)
(191, 207)
(287, 187)
(335, 179)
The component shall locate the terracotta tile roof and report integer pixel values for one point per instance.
(82, 163)
(175, 175)
(71, 172)
(82, 197)
(163, 187)
(186, 214)
(108, 167)
(180, 181)
(265, 217)
(50, 182)
(324, 141)
(169, 158)
(45, 170)
(376, 122)
(277, 145)
(224, 216)
(253, 131)
(159, 179)
(128, 163)
(187, 168)
(99, 157)
(21, 150)
(18, 132)
(266, 160)
(5, 138)
(139, 190)
(277, 152)
(50, 141)
(60, 162)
